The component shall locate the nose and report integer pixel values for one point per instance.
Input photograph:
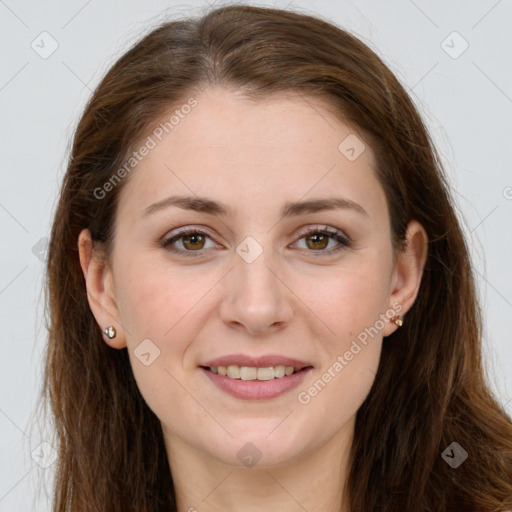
(255, 298)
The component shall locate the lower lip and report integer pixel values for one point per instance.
(257, 389)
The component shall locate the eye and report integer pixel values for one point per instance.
(188, 240)
(325, 240)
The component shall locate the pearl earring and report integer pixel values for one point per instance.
(397, 321)
(110, 332)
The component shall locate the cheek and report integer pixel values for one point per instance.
(330, 399)
(154, 300)
(159, 305)
(350, 306)
(352, 299)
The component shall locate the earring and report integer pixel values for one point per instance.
(397, 321)
(110, 332)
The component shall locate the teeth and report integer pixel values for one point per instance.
(251, 373)
(233, 371)
(247, 373)
(266, 373)
(280, 371)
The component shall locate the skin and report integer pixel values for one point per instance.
(292, 300)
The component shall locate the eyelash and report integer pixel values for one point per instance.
(343, 241)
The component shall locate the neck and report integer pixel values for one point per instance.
(314, 481)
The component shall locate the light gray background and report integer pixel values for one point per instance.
(466, 102)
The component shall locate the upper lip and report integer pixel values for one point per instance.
(259, 362)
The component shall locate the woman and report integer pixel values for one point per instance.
(260, 296)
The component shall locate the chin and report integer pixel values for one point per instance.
(263, 448)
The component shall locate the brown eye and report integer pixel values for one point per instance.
(317, 241)
(194, 241)
(323, 241)
(189, 241)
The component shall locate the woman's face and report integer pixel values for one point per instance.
(287, 261)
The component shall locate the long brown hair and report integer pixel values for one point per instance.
(430, 389)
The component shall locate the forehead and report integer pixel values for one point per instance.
(257, 153)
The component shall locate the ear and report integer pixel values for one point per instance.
(100, 289)
(407, 274)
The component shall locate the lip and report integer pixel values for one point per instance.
(256, 389)
(259, 362)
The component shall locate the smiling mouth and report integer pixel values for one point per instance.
(255, 373)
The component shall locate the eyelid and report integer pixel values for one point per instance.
(175, 233)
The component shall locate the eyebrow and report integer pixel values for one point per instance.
(290, 209)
